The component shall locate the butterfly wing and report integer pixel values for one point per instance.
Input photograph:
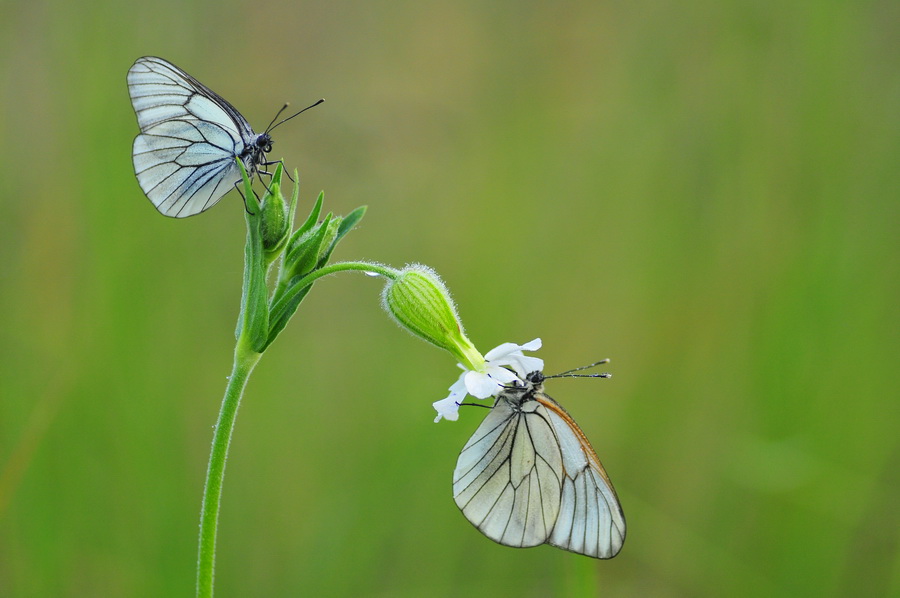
(590, 521)
(184, 157)
(508, 477)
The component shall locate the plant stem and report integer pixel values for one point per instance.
(244, 361)
(379, 269)
(285, 292)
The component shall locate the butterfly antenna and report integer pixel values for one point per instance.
(277, 114)
(271, 126)
(572, 374)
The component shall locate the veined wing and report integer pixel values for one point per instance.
(185, 167)
(590, 520)
(161, 91)
(508, 477)
(184, 157)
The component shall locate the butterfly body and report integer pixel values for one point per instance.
(529, 476)
(184, 157)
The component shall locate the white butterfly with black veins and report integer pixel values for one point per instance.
(529, 476)
(184, 157)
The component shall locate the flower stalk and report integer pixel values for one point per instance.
(262, 318)
(245, 359)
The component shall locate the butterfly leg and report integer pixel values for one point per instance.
(269, 174)
(276, 162)
(244, 198)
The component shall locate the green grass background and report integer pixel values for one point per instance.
(704, 191)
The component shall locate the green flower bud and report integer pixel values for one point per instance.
(274, 223)
(420, 302)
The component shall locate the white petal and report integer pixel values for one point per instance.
(531, 345)
(524, 365)
(459, 387)
(501, 351)
(481, 386)
(499, 374)
(447, 408)
(506, 349)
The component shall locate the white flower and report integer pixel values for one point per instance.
(449, 407)
(510, 354)
(491, 379)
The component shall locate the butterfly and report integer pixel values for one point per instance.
(184, 156)
(529, 476)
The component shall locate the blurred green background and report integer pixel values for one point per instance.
(706, 192)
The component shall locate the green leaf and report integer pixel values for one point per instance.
(351, 220)
(306, 226)
(347, 224)
(305, 255)
(284, 308)
(295, 195)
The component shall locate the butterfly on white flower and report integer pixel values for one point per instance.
(528, 475)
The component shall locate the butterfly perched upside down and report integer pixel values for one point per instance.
(529, 476)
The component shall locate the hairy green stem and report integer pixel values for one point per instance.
(282, 296)
(379, 269)
(244, 361)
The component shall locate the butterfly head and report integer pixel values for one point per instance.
(254, 152)
(263, 143)
(535, 378)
